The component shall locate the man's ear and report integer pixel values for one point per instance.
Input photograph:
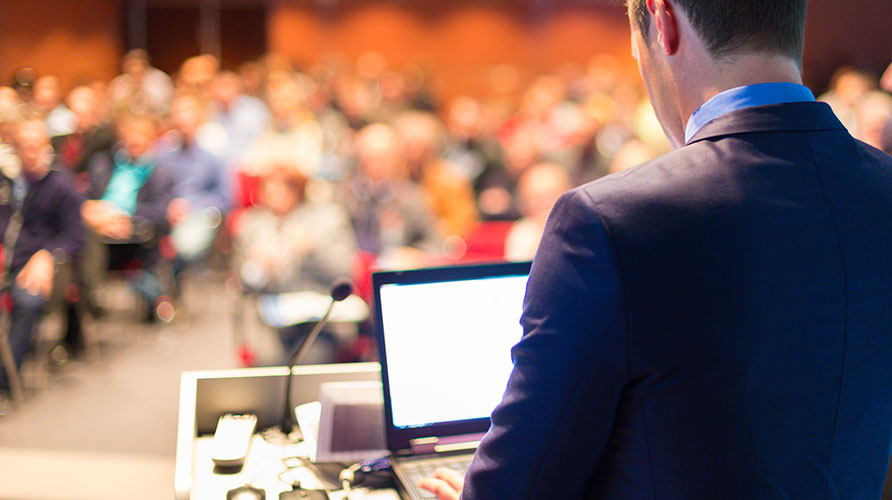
(666, 24)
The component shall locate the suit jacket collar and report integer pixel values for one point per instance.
(797, 116)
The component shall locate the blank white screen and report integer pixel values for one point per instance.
(448, 347)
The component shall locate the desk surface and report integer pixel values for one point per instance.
(262, 468)
(204, 396)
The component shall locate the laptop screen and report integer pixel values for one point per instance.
(445, 338)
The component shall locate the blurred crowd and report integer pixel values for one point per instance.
(296, 176)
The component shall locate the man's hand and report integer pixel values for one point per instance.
(94, 213)
(106, 220)
(117, 227)
(177, 210)
(36, 277)
(446, 484)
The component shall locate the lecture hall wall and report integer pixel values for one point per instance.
(460, 39)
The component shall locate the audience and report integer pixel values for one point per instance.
(90, 135)
(873, 120)
(9, 116)
(48, 98)
(538, 189)
(338, 170)
(240, 117)
(449, 193)
(201, 193)
(41, 227)
(390, 214)
(289, 244)
(141, 88)
(294, 138)
(846, 88)
(126, 211)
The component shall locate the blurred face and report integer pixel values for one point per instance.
(137, 134)
(875, 126)
(852, 86)
(464, 117)
(187, 116)
(284, 98)
(378, 153)
(83, 102)
(8, 97)
(33, 148)
(47, 93)
(419, 137)
(280, 194)
(225, 89)
(539, 189)
(135, 67)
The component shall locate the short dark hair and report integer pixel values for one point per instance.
(735, 27)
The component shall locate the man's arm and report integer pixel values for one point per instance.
(68, 237)
(70, 232)
(550, 429)
(154, 198)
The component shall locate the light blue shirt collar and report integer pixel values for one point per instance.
(760, 94)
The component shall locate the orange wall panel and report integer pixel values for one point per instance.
(460, 41)
(75, 40)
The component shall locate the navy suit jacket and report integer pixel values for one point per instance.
(714, 324)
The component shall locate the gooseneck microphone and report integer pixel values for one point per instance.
(341, 288)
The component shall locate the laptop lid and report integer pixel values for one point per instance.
(444, 340)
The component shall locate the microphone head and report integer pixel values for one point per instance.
(341, 288)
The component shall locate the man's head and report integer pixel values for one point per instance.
(421, 134)
(738, 27)
(47, 93)
(282, 189)
(84, 103)
(226, 87)
(874, 118)
(378, 152)
(690, 50)
(32, 144)
(136, 63)
(539, 188)
(187, 113)
(137, 133)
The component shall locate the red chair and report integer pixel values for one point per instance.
(486, 241)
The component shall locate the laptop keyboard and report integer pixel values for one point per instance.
(416, 469)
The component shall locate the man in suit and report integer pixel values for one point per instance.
(715, 323)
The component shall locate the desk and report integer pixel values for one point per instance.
(261, 469)
(206, 395)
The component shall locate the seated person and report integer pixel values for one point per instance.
(448, 191)
(126, 211)
(201, 188)
(537, 191)
(288, 244)
(41, 226)
(390, 214)
(91, 133)
(47, 97)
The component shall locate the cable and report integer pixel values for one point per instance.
(347, 477)
(305, 464)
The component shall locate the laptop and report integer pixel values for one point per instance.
(444, 339)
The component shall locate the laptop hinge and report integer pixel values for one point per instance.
(424, 446)
(430, 445)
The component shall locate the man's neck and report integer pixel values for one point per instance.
(738, 72)
(36, 174)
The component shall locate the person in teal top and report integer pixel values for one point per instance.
(127, 179)
(126, 211)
